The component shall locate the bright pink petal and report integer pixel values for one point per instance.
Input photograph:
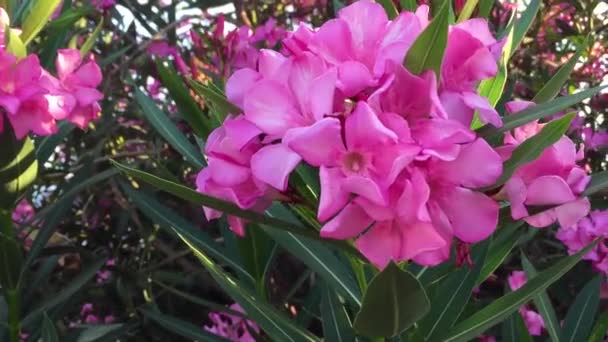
(226, 173)
(473, 215)
(365, 187)
(364, 128)
(570, 213)
(68, 60)
(350, 222)
(269, 106)
(354, 77)
(333, 197)
(321, 95)
(381, 244)
(319, 144)
(549, 190)
(487, 113)
(418, 238)
(333, 42)
(516, 192)
(239, 84)
(272, 165)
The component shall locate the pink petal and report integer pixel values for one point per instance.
(411, 205)
(305, 68)
(272, 165)
(487, 113)
(354, 77)
(68, 60)
(88, 75)
(381, 244)
(364, 128)
(516, 192)
(270, 106)
(570, 213)
(473, 215)
(274, 66)
(418, 238)
(549, 190)
(333, 41)
(365, 187)
(239, 84)
(319, 144)
(333, 197)
(350, 222)
(321, 95)
(226, 173)
(237, 225)
(367, 21)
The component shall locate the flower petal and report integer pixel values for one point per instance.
(350, 222)
(272, 165)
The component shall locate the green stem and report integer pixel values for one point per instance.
(12, 300)
(358, 269)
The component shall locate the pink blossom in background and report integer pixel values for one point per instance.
(553, 179)
(23, 212)
(533, 320)
(103, 5)
(486, 338)
(584, 232)
(232, 327)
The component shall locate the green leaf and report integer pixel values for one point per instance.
(96, 332)
(257, 250)
(169, 131)
(533, 147)
(543, 303)
(228, 207)
(503, 307)
(336, 324)
(451, 296)
(580, 317)
(38, 16)
(317, 257)
(389, 8)
(182, 328)
(88, 44)
(408, 5)
(188, 108)
(86, 275)
(69, 17)
(49, 333)
(556, 83)
(485, 7)
(14, 44)
(599, 181)
(514, 329)
(537, 112)
(502, 244)
(467, 10)
(427, 51)
(172, 222)
(11, 257)
(18, 166)
(523, 24)
(278, 327)
(393, 302)
(599, 329)
(221, 106)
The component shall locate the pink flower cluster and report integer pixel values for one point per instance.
(578, 236)
(33, 100)
(533, 320)
(397, 160)
(232, 327)
(398, 163)
(554, 179)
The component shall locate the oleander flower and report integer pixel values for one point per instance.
(232, 327)
(532, 319)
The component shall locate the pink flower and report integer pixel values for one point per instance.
(362, 40)
(23, 212)
(583, 233)
(553, 179)
(232, 327)
(486, 338)
(81, 81)
(471, 55)
(4, 22)
(103, 5)
(161, 48)
(533, 320)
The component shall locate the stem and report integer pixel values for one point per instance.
(12, 300)
(359, 273)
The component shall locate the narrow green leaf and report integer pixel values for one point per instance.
(393, 302)
(11, 257)
(408, 5)
(228, 207)
(503, 307)
(88, 44)
(317, 257)
(49, 333)
(14, 44)
(580, 317)
(543, 303)
(537, 112)
(389, 8)
(427, 51)
(69, 17)
(182, 328)
(66, 292)
(169, 131)
(336, 324)
(556, 83)
(100, 333)
(451, 297)
(38, 16)
(467, 10)
(599, 329)
(523, 24)
(599, 181)
(256, 251)
(485, 7)
(514, 329)
(18, 166)
(220, 104)
(172, 222)
(533, 147)
(502, 244)
(188, 108)
(268, 318)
